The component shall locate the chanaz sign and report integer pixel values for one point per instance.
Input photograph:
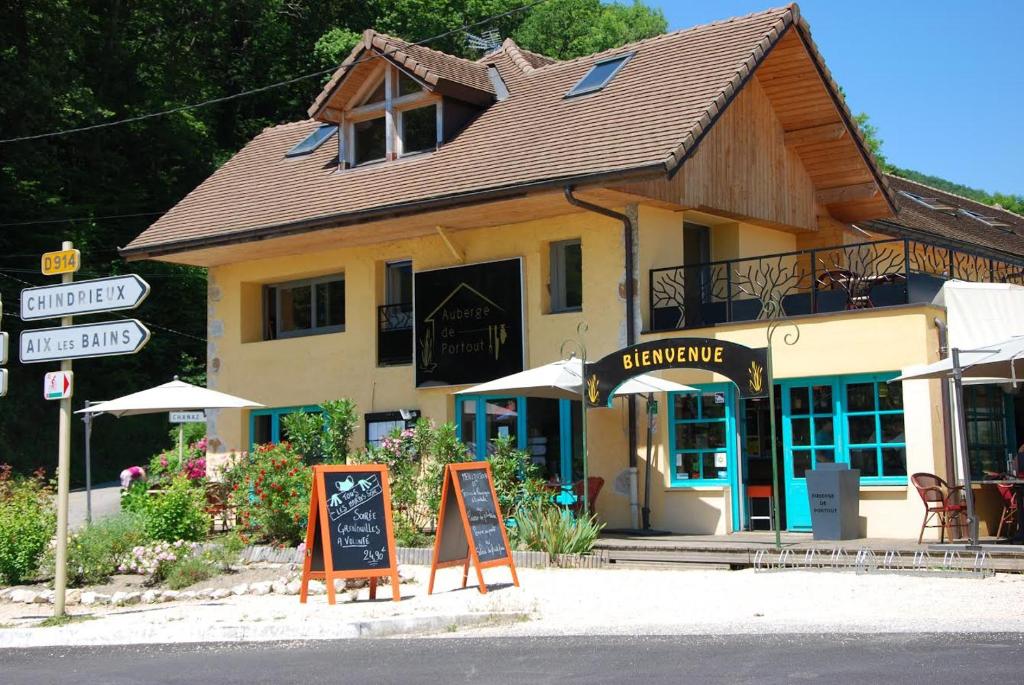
(744, 366)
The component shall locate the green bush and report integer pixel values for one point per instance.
(269, 488)
(189, 571)
(27, 525)
(177, 513)
(323, 437)
(516, 478)
(544, 527)
(95, 552)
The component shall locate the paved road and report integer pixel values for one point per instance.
(106, 501)
(904, 658)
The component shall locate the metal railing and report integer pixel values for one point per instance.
(829, 279)
(394, 334)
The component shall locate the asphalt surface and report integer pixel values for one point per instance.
(902, 658)
(106, 501)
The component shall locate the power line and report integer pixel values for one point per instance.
(73, 219)
(246, 93)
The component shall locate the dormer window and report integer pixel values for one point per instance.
(392, 116)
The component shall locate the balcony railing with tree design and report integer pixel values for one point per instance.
(394, 334)
(831, 279)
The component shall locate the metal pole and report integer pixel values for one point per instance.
(645, 511)
(63, 477)
(181, 445)
(775, 452)
(88, 464)
(583, 426)
(961, 440)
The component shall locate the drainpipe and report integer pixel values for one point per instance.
(627, 228)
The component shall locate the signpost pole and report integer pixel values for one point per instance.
(88, 464)
(63, 476)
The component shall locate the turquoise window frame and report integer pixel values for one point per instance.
(275, 421)
(841, 432)
(730, 438)
(848, 444)
(480, 429)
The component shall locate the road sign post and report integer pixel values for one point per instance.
(60, 580)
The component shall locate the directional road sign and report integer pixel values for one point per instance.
(188, 417)
(83, 342)
(5, 339)
(57, 385)
(109, 294)
(3, 382)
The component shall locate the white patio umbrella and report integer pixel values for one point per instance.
(564, 380)
(174, 396)
(994, 363)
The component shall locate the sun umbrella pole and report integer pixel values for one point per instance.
(583, 429)
(965, 465)
(181, 445)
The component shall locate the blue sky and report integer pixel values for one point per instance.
(943, 81)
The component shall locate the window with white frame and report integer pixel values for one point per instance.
(307, 307)
(393, 116)
(566, 276)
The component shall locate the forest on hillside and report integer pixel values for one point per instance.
(69, 64)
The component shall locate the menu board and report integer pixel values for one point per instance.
(355, 509)
(350, 533)
(470, 527)
(482, 514)
(468, 323)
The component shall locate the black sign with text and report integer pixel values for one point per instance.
(469, 323)
(356, 521)
(482, 513)
(744, 366)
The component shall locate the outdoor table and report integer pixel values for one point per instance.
(1018, 485)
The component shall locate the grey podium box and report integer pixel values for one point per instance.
(834, 493)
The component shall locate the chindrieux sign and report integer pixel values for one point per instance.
(744, 366)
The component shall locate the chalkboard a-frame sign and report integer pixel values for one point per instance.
(470, 528)
(350, 532)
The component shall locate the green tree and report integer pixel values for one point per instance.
(565, 29)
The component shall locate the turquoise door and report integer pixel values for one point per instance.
(808, 439)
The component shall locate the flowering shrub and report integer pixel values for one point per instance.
(169, 464)
(96, 551)
(194, 469)
(156, 560)
(27, 523)
(145, 560)
(269, 488)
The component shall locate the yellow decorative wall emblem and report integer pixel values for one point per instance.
(592, 393)
(755, 377)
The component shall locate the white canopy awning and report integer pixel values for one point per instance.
(996, 363)
(564, 380)
(174, 396)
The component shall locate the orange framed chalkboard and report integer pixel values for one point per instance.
(350, 533)
(470, 528)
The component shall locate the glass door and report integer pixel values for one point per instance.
(809, 439)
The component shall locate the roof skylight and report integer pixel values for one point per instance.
(599, 75)
(313, 141)
(929, 202)
(995, 222)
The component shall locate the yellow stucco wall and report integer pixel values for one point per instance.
(309, 370)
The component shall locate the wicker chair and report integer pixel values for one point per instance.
(941, 503)
(1010, 504)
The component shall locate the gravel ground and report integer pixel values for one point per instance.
(594, 602)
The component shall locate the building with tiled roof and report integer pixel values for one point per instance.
(438, 222)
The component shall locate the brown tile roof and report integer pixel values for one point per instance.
(953, 225)
(647, 120)
(433, 67)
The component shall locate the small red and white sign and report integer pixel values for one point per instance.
(57, 385)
